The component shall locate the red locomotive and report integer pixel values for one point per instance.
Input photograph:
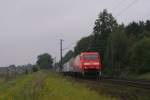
(85, 63)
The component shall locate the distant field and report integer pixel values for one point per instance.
(46, 86)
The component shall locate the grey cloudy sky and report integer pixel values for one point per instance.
(32, 27)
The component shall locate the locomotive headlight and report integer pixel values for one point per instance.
(85, 67)
(86, 64)
(96, 63)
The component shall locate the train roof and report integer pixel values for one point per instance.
(88, 53)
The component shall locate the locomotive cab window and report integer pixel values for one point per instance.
(90, 57)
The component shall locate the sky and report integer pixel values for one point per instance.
(32, 27)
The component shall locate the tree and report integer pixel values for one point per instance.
(83, 45)
(140, 56)
(44, 61)
(104, 25)
(134, 29)
(147, 25)
(68, 56)
(116, 53)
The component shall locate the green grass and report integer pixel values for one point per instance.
(44, 85)
(145, 76)
(1, 80)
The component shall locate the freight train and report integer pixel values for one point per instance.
(86, 63)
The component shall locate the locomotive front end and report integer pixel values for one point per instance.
(90, 63)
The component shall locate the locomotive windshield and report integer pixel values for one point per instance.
(90, 57)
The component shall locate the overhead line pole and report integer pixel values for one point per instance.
(61, 40)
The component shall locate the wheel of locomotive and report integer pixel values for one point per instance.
(99, 75)
(83, 74)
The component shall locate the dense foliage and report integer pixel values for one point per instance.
(83, 45)
(140, 56)
(67, 57)
(116, 52)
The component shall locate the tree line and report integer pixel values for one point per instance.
(124, 48)
(44, 61)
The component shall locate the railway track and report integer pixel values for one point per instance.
(145, 84)
(121, 88)
(134, 83)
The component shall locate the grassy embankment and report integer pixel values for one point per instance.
(145, 76)
(46, 86)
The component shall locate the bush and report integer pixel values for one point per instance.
(35, 68)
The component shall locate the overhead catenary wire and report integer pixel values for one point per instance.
(118, 4)
(68, 47)
(127, 7)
